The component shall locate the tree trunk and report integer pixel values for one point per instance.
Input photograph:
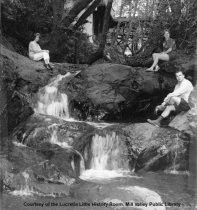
(99, 53)
(75, 10)
(86, 14)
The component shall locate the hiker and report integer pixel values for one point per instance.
(168, 53)
(176, 101)
(36, 53)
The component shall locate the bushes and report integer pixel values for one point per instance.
(21, 18)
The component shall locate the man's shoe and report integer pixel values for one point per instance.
(154, 122)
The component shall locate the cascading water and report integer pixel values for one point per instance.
(108, 159)
(106, 152)
(52, 102)
(25, 190)
(104, 149)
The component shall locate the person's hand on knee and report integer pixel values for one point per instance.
(157, 108)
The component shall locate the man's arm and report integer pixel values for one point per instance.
(183, 88)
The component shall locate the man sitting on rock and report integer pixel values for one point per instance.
(175, 101)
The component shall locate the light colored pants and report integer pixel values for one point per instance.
(39, 56)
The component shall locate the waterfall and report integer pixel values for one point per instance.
(25, 190)
(108, 157)
(52, 102)
(105, 152)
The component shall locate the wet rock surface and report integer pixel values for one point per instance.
(49, 150)
(53, 150)
(26, 169)
(157, 148)
(115, 92)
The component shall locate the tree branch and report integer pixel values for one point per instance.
(76, 9)
(86, 14)
(99, 53)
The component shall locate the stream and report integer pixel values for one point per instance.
(105, 178)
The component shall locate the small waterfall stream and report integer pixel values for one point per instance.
(105, 160)
(52, 102)
(26, 190)
(104, 152)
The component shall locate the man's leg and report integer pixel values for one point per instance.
(174, 101)
(168, 109)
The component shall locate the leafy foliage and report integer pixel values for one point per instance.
(152, 17)
(73, 47)
(22, 18)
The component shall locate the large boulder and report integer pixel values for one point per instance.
(114, 91)
(156, 148)
(27, 171)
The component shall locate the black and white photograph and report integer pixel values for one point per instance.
(98, 105)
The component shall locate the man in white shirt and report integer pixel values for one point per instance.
(36, 53)
(175, 101)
